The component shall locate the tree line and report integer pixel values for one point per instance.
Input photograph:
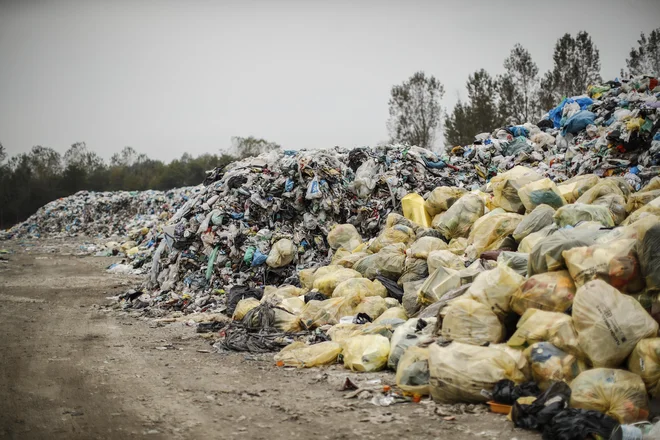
(30, 180)
(517, 96)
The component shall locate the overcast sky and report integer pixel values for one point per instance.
(169, 77)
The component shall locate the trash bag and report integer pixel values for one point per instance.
(571, 215)
(471, 322)
(422, 247)
(326, 284)
(268, 315)
(393, 289)
(459, 218)
(282, 292)
(393, 219)
(407, 335)
(541, 192)
(494, 289)
(645, 361)
(490, 231)
(517, 261)
(411, 297)
(301, 355)
(319, 313)
(527, 244)
(547, 255)
(413, 209)
(652, 208)
(550, 364)
(604, 187)
(506, 185)
(390, 262)
(457, 245)
(578, 122)
(507, 392)
(282, 253)
(394, 235)
(616, 204)
(551, 291)
(618, 393)
(372, 306)
(349, 260)
(649, 257)
(442, 198)
(366, 352)
(415, 269)
(543, 409)
(539, 326)
(615, 263)
(574, 187)
(412, 372)
(361, 286)
(460, 372)
(445, 258)
(437, 284)
(609, 324)
(536, 220)
(238, 293)
(579, 424)
(344, 236)
(244, 306)
(640, 199)
(392, 313)
(306, 277)
(654, 184)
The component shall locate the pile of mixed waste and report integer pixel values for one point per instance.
(523, 269)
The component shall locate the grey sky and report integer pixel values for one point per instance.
(169, 77)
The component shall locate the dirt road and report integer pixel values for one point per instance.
(74, 368)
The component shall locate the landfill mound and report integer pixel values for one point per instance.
(101, 214)
(520, 270)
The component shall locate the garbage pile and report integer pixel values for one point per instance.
(530, 256)
(101, 214)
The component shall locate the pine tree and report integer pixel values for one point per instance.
(415, 110)
(458, 130)
(646, 58)
(576, 66)
(518, 87)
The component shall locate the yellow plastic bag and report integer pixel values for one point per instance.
(282, 292)
(394, 219)
(651, 209)
(301, 355)
(459, 372)
(348, 261)
(527, 244)
(652, 185)
(550, 364)
(539, 326)
(306, 277)
(319, 313)
(615, 204)
(444, 258)
(412, 332)
(413, 209)
(615, 263)
(390, 262)
(412, 373)
(282, 253)
(459, 218)
(362, 286)
(571, 215)
(374, 306)
(551, 291)
(506, 185)
(519, 356)
(457, 245)
(422, 247)
(392, 313)
(547, 253)
(244, 306)
(414, 269)
(610, 185)
(536, 220)
(341, 332)
(471, 322)
(437, 284)
(494, 289)
(489, 232)
(618, 393)
(540, 192)
(574, 187)
(640, 199)
(394, 235)
(645, 361)
(326, 284)
(344, 236)
(609, 323)
(441, 199)
(366, 353)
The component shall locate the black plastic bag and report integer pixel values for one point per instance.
(314, 295)
(393, 289)
(578, 424)
(238, 293)
(507, 392)
(540, 412)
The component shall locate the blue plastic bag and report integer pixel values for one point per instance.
(578, 122)
(555, 113)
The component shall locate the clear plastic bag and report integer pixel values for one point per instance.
(471, 322)
(614, 203)
(301, 355)
(415, 269)
(407, 335)
(574, 187)
(550, 291)
(460, 372)
(609, 324)
(618, 393)
(547, 254)
(517, 261)
(641, 199)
